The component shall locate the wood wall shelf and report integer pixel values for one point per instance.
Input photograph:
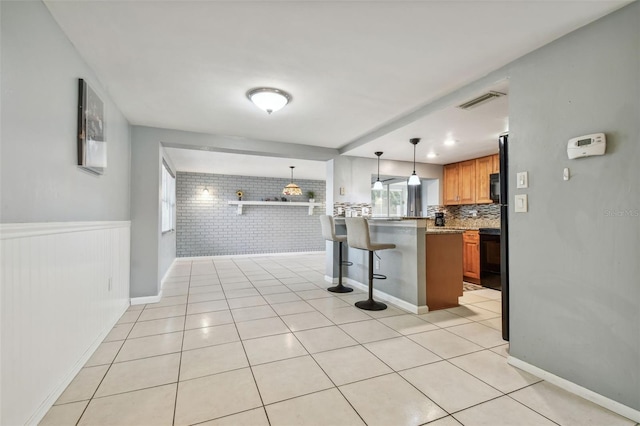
(240, 204)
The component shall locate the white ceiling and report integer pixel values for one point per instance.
(474, 131)
(351, 66)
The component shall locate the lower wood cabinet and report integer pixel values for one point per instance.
(471, 256)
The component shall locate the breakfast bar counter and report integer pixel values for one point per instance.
(424, 271)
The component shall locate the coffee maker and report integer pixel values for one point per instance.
(439, 219)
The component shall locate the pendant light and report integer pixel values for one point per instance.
(292, 188)
(378, 184)
(414, 179)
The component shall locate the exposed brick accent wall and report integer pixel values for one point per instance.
(208, 226)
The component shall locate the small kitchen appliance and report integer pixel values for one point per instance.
(439, 219)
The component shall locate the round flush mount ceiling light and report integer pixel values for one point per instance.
(432, 155)
(269, 99)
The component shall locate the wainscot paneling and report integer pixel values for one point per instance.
(64, 286)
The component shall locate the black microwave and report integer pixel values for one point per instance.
(494, 187)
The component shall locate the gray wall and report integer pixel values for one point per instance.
(209, 226)
(167, 243)
(146, 166)
(40, 181)
(575, 279)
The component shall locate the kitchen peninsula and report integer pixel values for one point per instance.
(424, 271)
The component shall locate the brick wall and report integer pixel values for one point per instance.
(208, 226)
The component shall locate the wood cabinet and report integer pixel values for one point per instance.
(471, 256)
(451, 183)
(484, 168)
(460, 183)
(496, 163)
(467, 185)
(467, 182)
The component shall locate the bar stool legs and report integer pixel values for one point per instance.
(340, 288)
(370, 304)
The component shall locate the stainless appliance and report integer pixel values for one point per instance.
(439, 219)
(494, 187)
(490, 264)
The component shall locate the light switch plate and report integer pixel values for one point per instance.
(522, 180)
(520, 203)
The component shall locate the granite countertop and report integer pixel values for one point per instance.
(444, 230)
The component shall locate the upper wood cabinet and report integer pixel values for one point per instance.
(467, 182)
(484, 168)
(467, 185)
(451, 183)
(496, 163)
(460, 183)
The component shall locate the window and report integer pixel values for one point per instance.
(168, 199)
(391, 201)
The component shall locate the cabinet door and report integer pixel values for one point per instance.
(451, 184)
(484, 167)
(471, 255)
(467, 176)
(496, 163)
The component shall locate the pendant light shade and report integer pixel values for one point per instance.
(292, 188)
(378, 184)
(414, 179)
(269, 99)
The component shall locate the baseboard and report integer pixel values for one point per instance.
(146, 300)
(51, 399)
(409, 307)
(153, 299)
(585, 393)
(231, 256)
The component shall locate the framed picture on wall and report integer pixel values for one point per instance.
(92, 142)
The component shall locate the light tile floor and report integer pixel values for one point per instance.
(259, 341)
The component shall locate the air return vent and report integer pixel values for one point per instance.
(480, 100)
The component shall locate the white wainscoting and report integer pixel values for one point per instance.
(64, 286)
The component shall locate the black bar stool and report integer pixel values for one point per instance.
(329, 234)
(359, 237)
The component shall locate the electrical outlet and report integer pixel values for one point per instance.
(473, 213)
(377, 264)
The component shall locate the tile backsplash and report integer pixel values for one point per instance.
(353, 209)
(486, 215)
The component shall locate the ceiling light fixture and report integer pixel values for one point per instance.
(414, 179)
(378, 184)
(449, 142)
(205, 191)
(269, 99)
(432, 155)
(292, 188)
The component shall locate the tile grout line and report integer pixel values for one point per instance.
(184, 323)
(108, 369)
(244, 349)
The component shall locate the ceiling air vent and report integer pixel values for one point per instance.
(480, 100)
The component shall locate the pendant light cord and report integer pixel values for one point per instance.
(414, 158)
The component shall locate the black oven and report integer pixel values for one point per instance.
(490, 257)
(494, 187)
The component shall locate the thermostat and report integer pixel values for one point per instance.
(586, 146)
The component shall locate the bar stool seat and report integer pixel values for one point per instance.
(329, 234)
(358, 237)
